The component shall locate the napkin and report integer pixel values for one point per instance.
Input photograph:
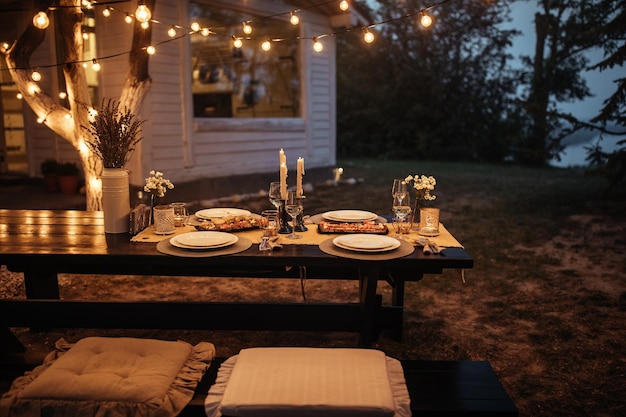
(429, 246)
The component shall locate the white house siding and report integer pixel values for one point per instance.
(188, 149)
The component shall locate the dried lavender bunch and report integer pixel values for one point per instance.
(115, 134)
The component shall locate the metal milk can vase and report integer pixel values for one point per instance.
(116, 200)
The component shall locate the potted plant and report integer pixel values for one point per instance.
(68, 176)
(49, 169)
(115, 134)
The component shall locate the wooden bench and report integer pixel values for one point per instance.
(437, 389)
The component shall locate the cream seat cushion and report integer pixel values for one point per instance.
(110, 377)
(307, 382)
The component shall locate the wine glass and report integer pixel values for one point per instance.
(274, 194)
(293, 207)
(398, 186)
(402, 206)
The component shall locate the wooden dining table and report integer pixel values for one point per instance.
(44, 243)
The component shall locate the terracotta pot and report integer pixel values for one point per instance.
(68, 184)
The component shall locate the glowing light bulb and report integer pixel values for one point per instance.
(195, 26)
(344, 5)
(128, 19)
(150, 50)
(171, 32)
(32, 88)
(143, 13)
(317, 45)
(41, 20)
(96, 65)
(106, 12)
(84, 65)
(368, 36)
(237, 42)
(426, 20)
(247, 29)
(5, 46)
(85, 35)
(266, 45)
(19, 96)
(36, 76)
(294, 19)
(205, 32)
(62, 95)
(40, 119)
(145, 25)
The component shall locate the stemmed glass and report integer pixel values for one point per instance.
(401, 204)
(399, 186)
(293, 207)
(274, 194)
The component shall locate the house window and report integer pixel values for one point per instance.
(245, 82)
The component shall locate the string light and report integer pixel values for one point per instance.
(62, 95)
(95, 65)
(151, 50)
(143, 13)
(35, 76)
(145, 25)
(247, 29)
(41, 21)
(33, 89)
(237, 42)
(294, 19)
(317, 45)
(19, 96)
(426, 20)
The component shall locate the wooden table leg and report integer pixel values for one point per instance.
(41, 285)
(367, 284)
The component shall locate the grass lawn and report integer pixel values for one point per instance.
(545, 303)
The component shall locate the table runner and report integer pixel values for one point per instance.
(310, 237)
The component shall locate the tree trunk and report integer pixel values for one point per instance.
(64, 122)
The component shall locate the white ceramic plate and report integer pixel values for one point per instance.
(366, 242)
(204, 240)
(349, 215)
(213, 213)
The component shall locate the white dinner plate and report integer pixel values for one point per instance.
(204, 240)
(220, 212)
(349, 215)
(366, 242)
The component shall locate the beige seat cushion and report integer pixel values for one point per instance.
(111, 377)
(308, 382)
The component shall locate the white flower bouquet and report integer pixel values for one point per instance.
(157, 185)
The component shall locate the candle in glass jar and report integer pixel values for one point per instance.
(283, 181)
(299, 174)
